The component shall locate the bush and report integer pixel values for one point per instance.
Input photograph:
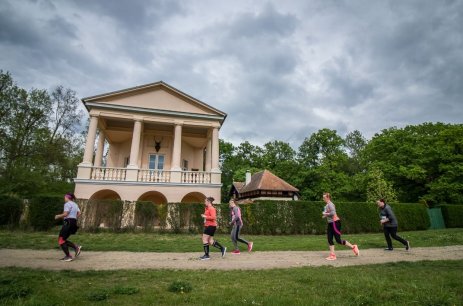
(10, 210)
(146, 215)
(182, 216)
(453, 215)
(107, 212)
(412, 217)
(42, 211)
(179, 286)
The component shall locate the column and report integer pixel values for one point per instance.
(215, 150)
(208, 155)
(99, 149)
(177, 150)
(135, 148)
(91, 135)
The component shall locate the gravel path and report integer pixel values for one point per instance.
(48, 259)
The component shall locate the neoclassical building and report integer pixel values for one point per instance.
(154, 143)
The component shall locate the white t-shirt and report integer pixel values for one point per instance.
(72, 208)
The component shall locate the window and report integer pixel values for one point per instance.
(156, 162)
(185, 165)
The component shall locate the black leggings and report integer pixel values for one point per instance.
(392, 232)
(334, 230)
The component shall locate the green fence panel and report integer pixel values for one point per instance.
(437, 220)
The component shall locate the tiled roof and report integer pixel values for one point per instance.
(238, 185)
(266, 180)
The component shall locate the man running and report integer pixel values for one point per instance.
(390, 225)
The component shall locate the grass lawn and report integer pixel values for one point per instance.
(418, 283)
(155, 242)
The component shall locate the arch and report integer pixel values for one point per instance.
(154, 196)
(193, 197)
(105, 194)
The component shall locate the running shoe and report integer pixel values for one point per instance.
(407, 247)
(78, 249)
(236, 252)
(205, 257)
(66, 258)
(250, 244)
(355, 249)
(389, 249)
(224, 251)
(331, 257)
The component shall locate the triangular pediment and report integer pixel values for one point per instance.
(155, 96)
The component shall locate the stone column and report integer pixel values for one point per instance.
(132, 167)
(208, 155)
(215, 150)
(84, 170)
(135, 148)
(176, 170)
(99, 149)
(91, 135)
(215, 169)
(177, 150)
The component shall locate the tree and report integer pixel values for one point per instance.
(379, 188)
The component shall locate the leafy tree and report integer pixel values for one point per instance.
(379, 188)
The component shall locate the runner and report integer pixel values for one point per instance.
(390, 225)
(334, 228)
(70, 214)
(237, 223)
(210, 225)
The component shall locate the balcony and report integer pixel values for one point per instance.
(153, 176)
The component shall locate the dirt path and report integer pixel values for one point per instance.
(48, 259)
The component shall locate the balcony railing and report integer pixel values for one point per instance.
(108, 174)
(156, 176)
(150, 175)
(196, 177)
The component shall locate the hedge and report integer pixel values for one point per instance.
(453, 215)
(260, 217)
(42, 211)
(11, 209)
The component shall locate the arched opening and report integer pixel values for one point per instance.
(194, 197)
(105, 194)
(154, 196)
(150, 210)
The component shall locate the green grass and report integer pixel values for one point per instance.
(155, 242)
(387, 284)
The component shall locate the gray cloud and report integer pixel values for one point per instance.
(281, 70)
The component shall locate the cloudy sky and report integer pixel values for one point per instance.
(280, 69)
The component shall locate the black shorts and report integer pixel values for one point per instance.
(210, 230)
(69, 228)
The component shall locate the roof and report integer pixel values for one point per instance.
(238, 185)
(149, 86)
(266, 180)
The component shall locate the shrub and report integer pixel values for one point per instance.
(107, 212)
(146, 215)
(412, 217)
(187, 216)
(97, 295)
(42, 211)
(453, 215)
(10, 210)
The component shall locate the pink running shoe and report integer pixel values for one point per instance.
(237, 252)
(355, 249)
(331, 257)
(250, 246)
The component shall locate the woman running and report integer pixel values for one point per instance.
(334, 227)
(237, 223)
(390, 225)
(210, 225)
(70, 214)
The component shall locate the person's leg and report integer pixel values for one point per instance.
(233, 237)
(206, 244)
(397, 237)
(329, 235)
(337, 236)
(388, 237)
(63, 236)
(238, 231)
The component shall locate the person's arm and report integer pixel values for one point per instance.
(331, 210)
(387, 214)
(63, 215)
(236, 215)
(212, 215)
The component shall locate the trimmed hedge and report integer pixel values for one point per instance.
(453, 215)
(42, 211)
(11, 209)
(260, 217)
